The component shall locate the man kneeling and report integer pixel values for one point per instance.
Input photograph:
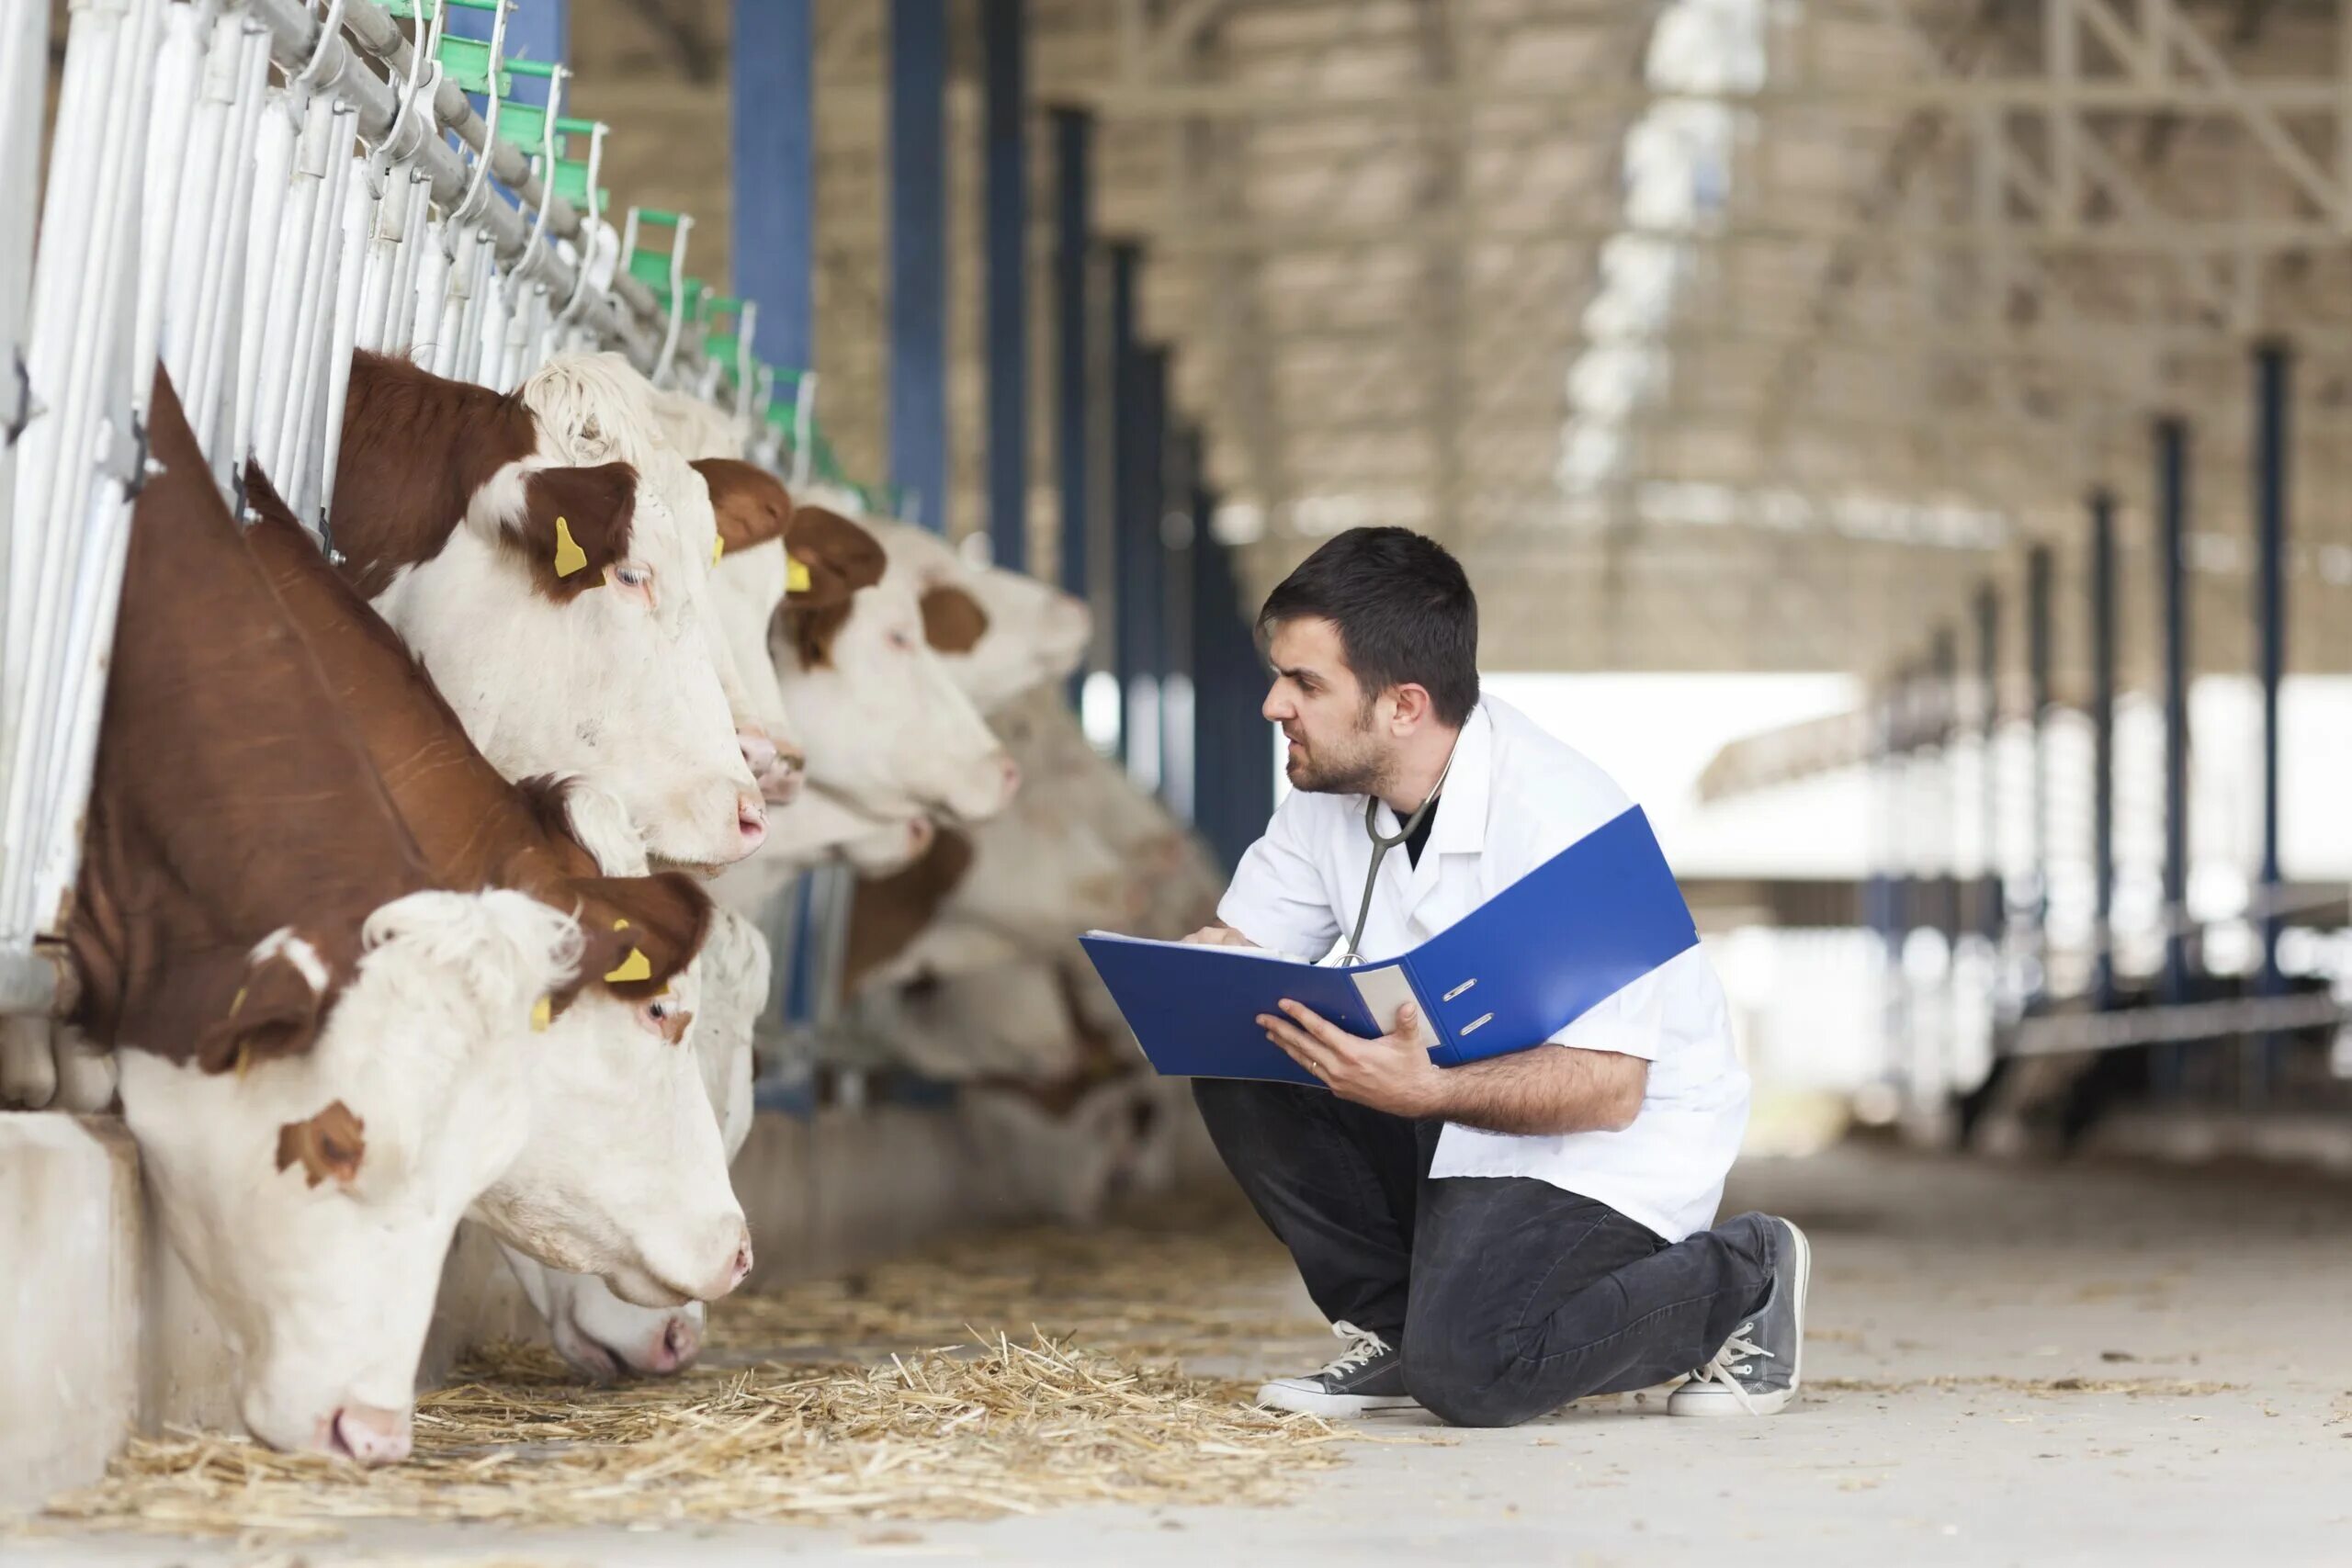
(1495, 1239)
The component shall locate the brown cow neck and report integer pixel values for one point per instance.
(476, 828)
(416, 448)
(231, 798)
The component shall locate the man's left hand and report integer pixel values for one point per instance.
(1391, 1073)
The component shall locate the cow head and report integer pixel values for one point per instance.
(1000, 633)
(563, 623)
(597, 407)
(752, 511)
(593, 1328)
(313, 1195)
(623, 1175)
(886, 725)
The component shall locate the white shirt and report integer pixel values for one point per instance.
(1514, 799)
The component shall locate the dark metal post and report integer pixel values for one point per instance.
(1126, 444)
(1143, 559)
(1073, 148)
(2102, 574)
(918, 257)
(1004, 45)
(2172, 569)
(1988, 687)
(1178, 658)
(2038, 591)
(2272, 391)
(775, 168)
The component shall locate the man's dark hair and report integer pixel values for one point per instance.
(1404, 610)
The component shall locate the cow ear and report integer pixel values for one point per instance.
(833, 558)
(751, 505)
(641, 930)
(277, 1010)
(573, 525)
(953, 621)
(328, 1146)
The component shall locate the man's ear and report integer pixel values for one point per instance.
(1412, 701)
(574, 523)
(751, 505)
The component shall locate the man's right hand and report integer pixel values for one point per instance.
(1219, 936)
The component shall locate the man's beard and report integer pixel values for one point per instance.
(1358, 768)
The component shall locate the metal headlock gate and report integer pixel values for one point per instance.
(247, 191)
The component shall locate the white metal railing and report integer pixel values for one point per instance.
(244, 191)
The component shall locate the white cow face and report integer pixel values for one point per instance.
(593, 1328)
(624, 1174)
(746, 587)
(314, 1197)
(1009, 633)
(886, 725)
(614, 686)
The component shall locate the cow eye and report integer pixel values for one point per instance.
(632, 576)
(652, 1015)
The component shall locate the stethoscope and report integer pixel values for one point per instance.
(1382, 844)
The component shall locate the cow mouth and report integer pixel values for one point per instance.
(591, 1355)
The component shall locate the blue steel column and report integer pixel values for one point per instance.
(2172, 569)
(1073, 155)
(2102, 574)
(1180, 686)
(1988, 678)
(1004, 45)
(2271, 391)
(1124, 261)
(919, 255)
(2038, 584)
(773, 151)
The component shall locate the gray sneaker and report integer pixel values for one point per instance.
(1758, 1369)
(1368, 1375)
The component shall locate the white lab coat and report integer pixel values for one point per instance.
(1514, 799)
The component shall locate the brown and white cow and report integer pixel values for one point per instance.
(557, 607)
(596, 408)
(623, 1175)
(314, 1037)
(1000, 633)
(886, 725)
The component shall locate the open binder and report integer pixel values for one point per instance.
(1513, 972)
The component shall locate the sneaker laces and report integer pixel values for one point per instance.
(1734, 1363)
(1364, 1346)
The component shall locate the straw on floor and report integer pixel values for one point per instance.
(993, 1419)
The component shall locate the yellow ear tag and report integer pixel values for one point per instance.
(717, 549)
(542, 1014)
(620, 923)
(237, 1001)
(568, 557)
(634, 967)
(795, 575)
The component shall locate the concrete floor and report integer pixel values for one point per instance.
(2043, 1365)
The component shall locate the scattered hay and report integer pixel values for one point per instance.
(826, 1402)
(1160, 1289)
(1000, 1428)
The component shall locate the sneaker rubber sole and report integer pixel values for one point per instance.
(1315, 1402)
(1712, 1399)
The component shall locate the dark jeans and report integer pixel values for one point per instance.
(1507, 1296)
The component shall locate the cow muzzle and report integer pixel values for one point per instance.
(368, 1435)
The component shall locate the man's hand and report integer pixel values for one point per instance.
(1219, 936)
(1391, 1073)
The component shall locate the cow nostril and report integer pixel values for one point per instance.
(1012, 777)
(919, 832)
(368, 1435)
(758, 751)
(752, 817)
(679, 1343)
